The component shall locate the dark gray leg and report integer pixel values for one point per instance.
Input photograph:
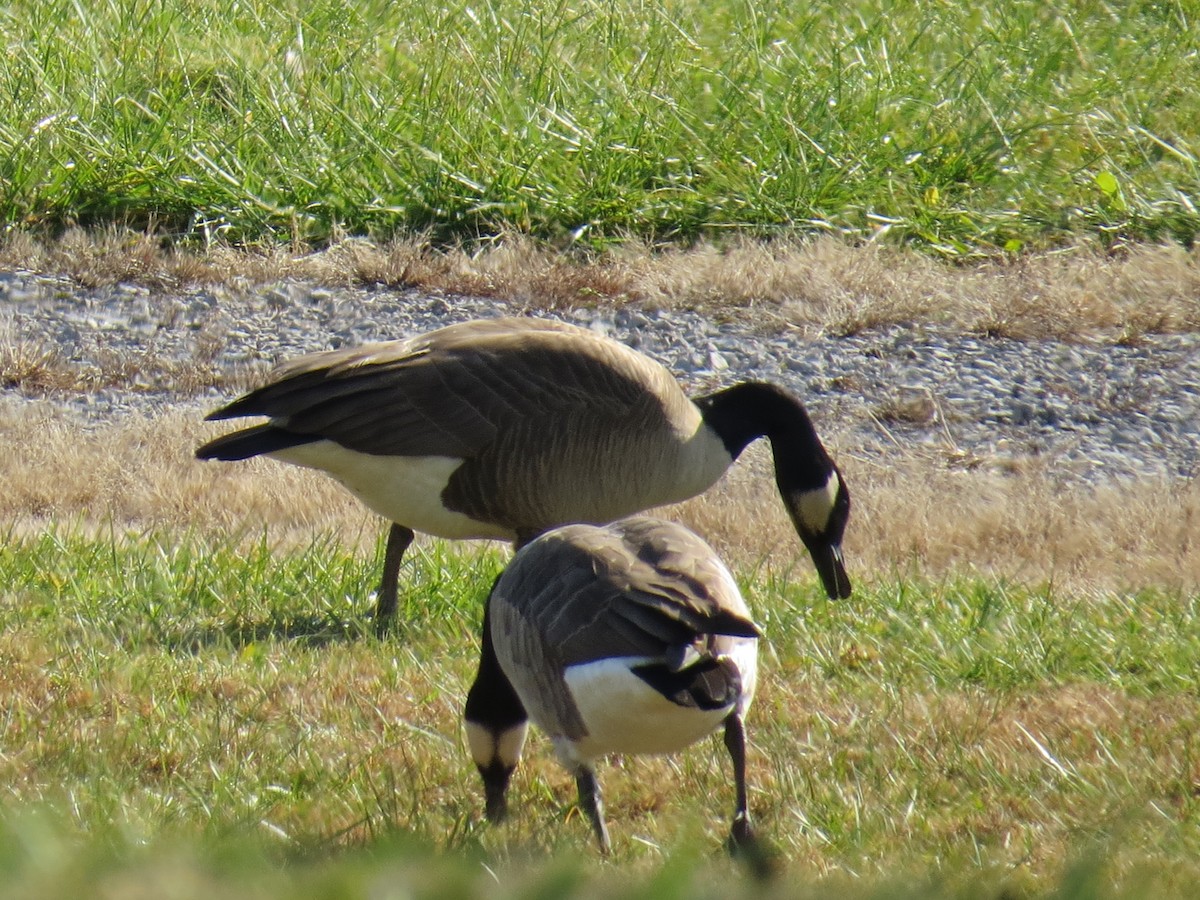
(590, 803)
(399, 537)
(743, 843)
(735, 743)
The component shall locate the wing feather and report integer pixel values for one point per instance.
(451, 392)
(593, 599)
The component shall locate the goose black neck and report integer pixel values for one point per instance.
(492, 701)
(754, 409)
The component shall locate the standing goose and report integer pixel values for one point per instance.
(626, 638)
(504, 428)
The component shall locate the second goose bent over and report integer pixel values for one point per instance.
(629, 638)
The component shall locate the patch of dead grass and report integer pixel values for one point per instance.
(38, 368)
(913, 514)
(141, 471)
(824, 284)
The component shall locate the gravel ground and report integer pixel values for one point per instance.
(1095, 410)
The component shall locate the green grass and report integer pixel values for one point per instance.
(958, 127)
(211, 715)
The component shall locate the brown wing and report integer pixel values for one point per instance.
(640, 587)
(457, 390)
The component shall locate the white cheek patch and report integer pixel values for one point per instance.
(814, 507)
(486, 748)
(481, 743)
(512, 744)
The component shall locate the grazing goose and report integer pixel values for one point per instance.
(504, 428)
(625, 638)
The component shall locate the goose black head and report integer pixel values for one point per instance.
(812, 488)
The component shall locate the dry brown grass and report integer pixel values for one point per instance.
(141, 471)
(929, 511)
(913, 513)
(818, 284)
(39, 369)
(924, 514)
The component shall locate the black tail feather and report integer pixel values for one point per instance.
(708, 684)
(252, 442)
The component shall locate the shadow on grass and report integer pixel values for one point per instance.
(307, 631)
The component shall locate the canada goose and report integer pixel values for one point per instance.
(504, 428)
(625, 638)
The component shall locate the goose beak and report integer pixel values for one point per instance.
(828, 560)
(495, 791)
(495, 801)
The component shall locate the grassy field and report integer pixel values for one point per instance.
(192, 696)
(961, 127)
(190, 704)
(204, 705)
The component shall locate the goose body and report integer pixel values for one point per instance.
(626, 638)
(505, 428)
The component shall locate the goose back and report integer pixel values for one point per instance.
(536, 422)
(585, 620)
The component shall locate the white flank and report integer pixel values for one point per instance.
(485, 747)
(404, 489)
(815, 506)
(623, 714)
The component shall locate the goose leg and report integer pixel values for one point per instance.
(735, 743)
(399, 537)
(743, 843)
(590, 802)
